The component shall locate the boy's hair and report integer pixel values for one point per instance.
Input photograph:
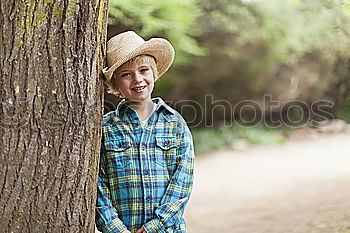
(143, 58)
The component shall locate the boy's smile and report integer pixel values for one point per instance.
(135, 82)
(139, 89)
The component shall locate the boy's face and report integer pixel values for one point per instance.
(135, 82)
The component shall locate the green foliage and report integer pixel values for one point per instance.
(174, 20)
(210, 139)
(262, 136)
(346, 6)
(327, 25)
(263, 28)
(344, 113)
(263, 34)
(207, 140)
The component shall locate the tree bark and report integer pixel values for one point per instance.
(50, 113)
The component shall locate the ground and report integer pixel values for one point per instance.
(302, 186)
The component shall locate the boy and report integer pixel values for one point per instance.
(147, 159)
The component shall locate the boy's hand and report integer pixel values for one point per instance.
(126, 231)
(141, 230)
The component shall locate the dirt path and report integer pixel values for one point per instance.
(298, 187)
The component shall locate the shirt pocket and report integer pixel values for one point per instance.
(166, 151)
(118, 153)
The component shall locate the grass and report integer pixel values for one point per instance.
(210, 139)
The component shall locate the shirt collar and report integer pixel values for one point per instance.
(161, 104)
(169, 113)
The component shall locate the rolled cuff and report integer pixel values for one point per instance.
(115, 226)
(154, 226)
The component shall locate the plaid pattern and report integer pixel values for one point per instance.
(146, 174)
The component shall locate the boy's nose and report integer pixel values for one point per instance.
(137, 78)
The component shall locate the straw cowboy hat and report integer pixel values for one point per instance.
(128, 45)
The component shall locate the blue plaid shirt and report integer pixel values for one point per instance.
(146, 174)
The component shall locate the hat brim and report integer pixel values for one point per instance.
(159, 48)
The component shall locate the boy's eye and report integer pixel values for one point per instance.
(144, 69)
(124, 74)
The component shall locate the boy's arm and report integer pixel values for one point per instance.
(107, 219)
(178, 191)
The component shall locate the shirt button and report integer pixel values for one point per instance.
(146, 172)
(148, 198)
(143, 147)
(149, 214)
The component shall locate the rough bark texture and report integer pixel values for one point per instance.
(50, 113)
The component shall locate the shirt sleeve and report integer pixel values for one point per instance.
(178, 191)
(107, 220)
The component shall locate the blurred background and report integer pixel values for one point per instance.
(229, 51)
(265, 88)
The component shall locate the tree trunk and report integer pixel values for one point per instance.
(50, 113)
